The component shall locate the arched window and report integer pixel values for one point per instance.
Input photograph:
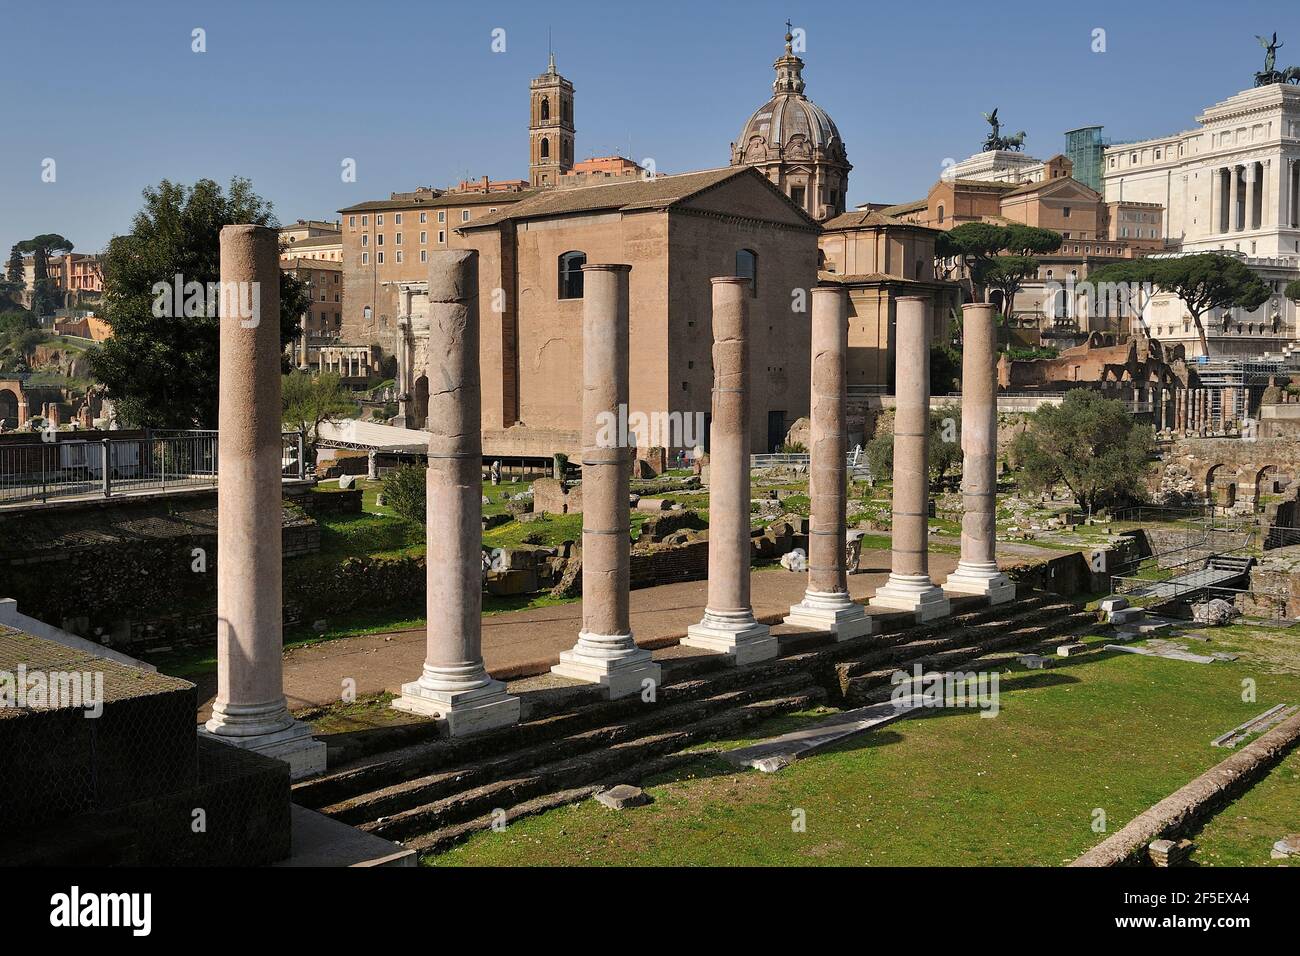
(941, 213)
(571, 264)
(747, 266)
(546, 148)
(546, 108)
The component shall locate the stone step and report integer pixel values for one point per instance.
(555, 712)
(651, 717)
(859, 689)
(581, 770)
(954, 635)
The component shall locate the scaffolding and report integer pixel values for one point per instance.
(1083, 148)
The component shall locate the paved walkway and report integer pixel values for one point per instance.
(520, 643)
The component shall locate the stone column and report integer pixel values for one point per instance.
(1234, 198)
(826, 604)
(454, 686)
(728, 625)
(606, 653)
(977, 569)
(250, 710)
(909, 587)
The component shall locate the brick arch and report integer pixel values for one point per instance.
(13, 404)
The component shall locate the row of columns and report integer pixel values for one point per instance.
(250, 709)
(1243, 196)
(1199, 409)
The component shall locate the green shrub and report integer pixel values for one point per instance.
(404, 492)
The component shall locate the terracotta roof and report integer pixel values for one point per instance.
(1044, 183)
(904, 207)
(859, 217)
(658, 193)
(333, 240)
(445, 199)
(307, 262)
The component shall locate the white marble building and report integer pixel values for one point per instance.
(1231, 185)
(998, 166)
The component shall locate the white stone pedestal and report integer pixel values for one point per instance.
(611, 660)
(837, 613)
(293, 744)
(916, 593)
(472, 711)
(736, 634)
(980, 581)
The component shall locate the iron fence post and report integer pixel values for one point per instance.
(302, 454)
(106, 459)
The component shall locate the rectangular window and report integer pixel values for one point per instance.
(399, 239)
(380, 260)
(399, 255)
(365, 241)
(397, 219)
(442, 215)
(442, 236)
(365, 220)
(424, 217)
(352, 222)
(365, 258)
(464, 215)
(379, 239)
(379, 219)
(424, 255)
(1065, 211)
(424, 238)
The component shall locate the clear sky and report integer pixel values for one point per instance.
(113, 92)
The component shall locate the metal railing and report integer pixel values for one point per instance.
(161, 461)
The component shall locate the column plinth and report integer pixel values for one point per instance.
(826, 604)
(909, 587)
(728, 626)
(454, 686)
(977, 570)
(606, 653)
(250, 710)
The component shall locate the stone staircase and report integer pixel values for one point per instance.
(570, 742)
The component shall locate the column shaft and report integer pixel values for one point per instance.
(728, 625)
(826, 604)
(454, 685)
(606, 652)
(909, 586)
(250, 709)
(977, 570)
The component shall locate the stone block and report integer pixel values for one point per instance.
(512, 581)
(653, 504)
(623, 796)
(1073, 649)
(1125, 615)
(1114, 603)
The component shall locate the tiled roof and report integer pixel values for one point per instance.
(857, 217)
(658, 193)
(445, 199)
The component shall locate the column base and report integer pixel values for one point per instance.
(293, 744)
(611, 660)
(986, 581)
(734, 633)
(463, 711)
(915, 593)
(835, 612)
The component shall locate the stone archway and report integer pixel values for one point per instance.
(420, 402)
(1215, 476)
(8, 408)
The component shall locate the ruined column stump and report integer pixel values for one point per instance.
(909, 587)
(826, 605)
(977, 571)
(606, 652)
(454, 686)
(250, 710)
(728, 626)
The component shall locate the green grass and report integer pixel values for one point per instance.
(1243, 834)
(1112, 731)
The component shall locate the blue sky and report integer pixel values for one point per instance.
(413, 92)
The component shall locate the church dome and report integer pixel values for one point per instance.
(789, 122)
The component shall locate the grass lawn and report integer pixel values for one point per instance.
(1110, 731)
(1243, 834)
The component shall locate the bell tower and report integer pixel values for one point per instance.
(550, 127)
